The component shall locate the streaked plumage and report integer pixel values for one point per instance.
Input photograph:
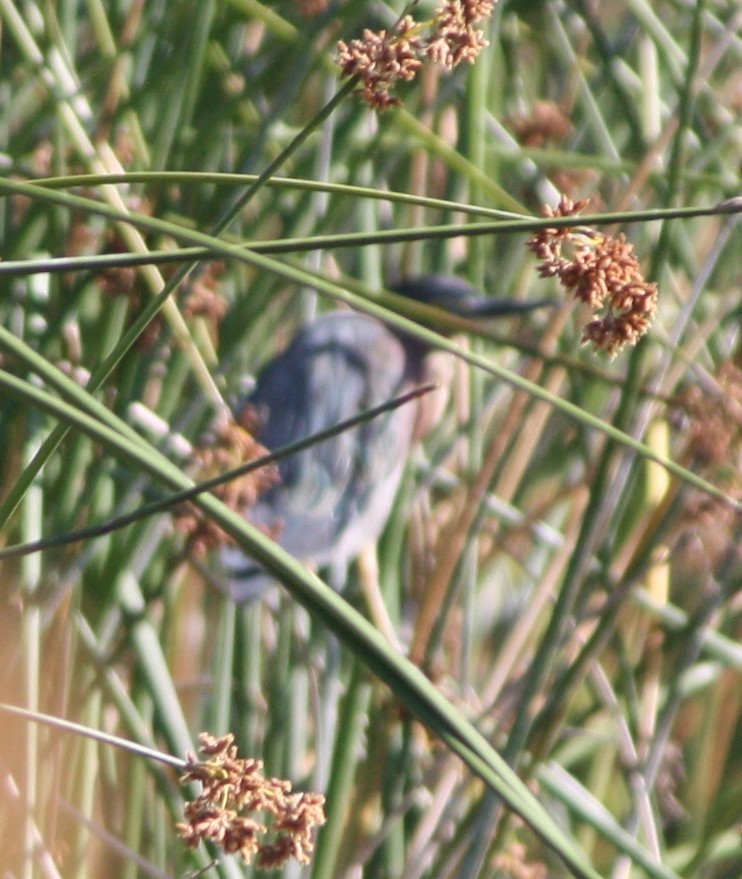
(336, 497)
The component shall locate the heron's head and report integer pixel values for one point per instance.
(459, 298)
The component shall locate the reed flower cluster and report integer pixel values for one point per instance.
(235, 795)
(380, 59)
(603, 272)
(713, 429)
(227, 447)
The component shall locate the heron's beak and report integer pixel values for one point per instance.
(483, 307)
(461, 299)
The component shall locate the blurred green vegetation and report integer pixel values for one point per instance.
(572, 600)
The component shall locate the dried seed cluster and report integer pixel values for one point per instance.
(230, 446)
(310, 8)
(380, 59)
(205, 298)
(708, 419)
(714, 427)
(601, 271)
(546, 123)
(234, 793)
(513, 862)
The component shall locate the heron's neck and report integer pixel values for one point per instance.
(417, 354)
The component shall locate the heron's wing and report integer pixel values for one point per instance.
(335, 497)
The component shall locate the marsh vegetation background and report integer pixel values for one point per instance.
(574, 604)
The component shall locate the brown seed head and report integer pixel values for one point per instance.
(601, 271)
(380, 59)
(233, 791)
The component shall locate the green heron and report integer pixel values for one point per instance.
(335, 498)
